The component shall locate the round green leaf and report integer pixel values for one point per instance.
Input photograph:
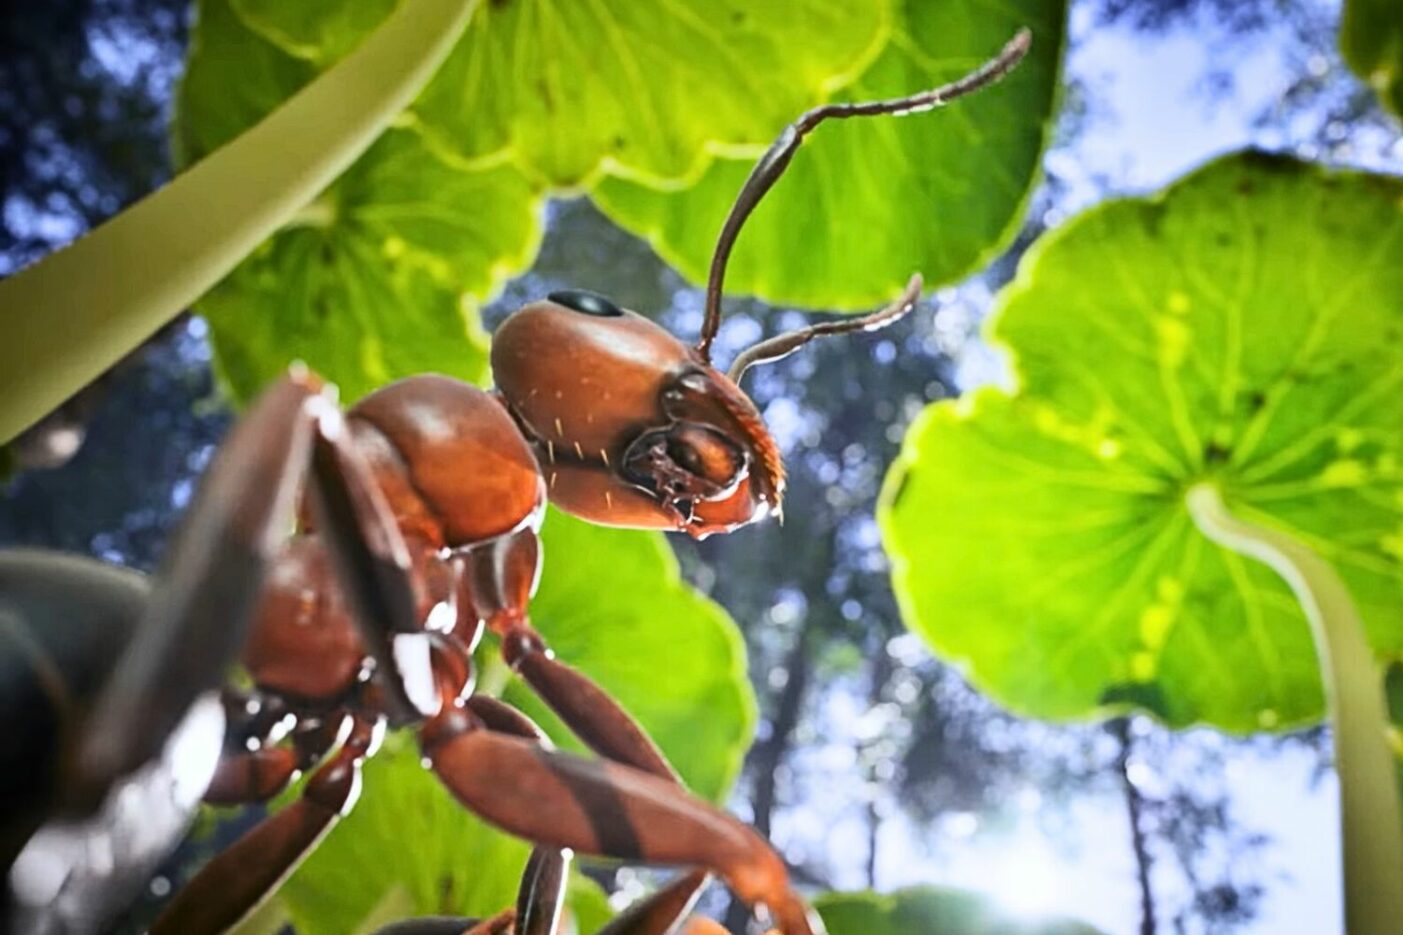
(1245, 328)
(380, 281)
(931, 909)
(1371, 40)
(611, 603)
(868, 202)
(408, 848)
(377, 279)
(638, 88)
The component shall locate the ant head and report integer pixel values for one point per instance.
(631, 426)
(634, 428)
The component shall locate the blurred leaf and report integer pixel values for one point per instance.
(586, 906)
(867, 202)
(639, 88)
(612, 604)
(931, 909)
(377, 279)
(408, 839)
(1243, 326)
(1371, 39)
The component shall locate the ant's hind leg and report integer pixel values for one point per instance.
(604, 808)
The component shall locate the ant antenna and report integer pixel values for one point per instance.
(776, 159)
(782, 345)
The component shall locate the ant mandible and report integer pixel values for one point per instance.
(424, 503)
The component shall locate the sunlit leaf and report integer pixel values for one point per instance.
(1371, 39)
(320, 31)
(639, 88)
(867, 202)
(932, 909)
(612, 604)
(410, 841)
(1245, 326)
(378, 278)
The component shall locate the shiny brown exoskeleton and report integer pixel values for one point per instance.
(418, 532)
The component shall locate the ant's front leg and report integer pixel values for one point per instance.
(604, 808)
(499, 577)
(198, 617)
(258, 761)
(235, 882)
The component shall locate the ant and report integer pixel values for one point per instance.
(417, 515)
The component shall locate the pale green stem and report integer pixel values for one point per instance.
(72, 315)
(1369, 808)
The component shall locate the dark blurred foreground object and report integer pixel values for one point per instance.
(76, 858)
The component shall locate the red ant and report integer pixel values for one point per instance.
(425, 502)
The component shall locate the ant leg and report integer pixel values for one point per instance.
(375, 572)
(246, 776)
(588, 710)
(542, 893)
(541, 897)
(499, 579)
(212, 572)
(500, 924)
(214, 569)
(503, 580)
(235, 882)
(659, 913)
(656, 915)
(256, 776)
(607, 809)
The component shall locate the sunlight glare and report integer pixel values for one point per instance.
(1028, 881)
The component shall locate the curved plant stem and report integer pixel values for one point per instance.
(73, 314)
(1372, 827)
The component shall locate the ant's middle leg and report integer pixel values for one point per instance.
(237, 881)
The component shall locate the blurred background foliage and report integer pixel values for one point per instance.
(874, 765)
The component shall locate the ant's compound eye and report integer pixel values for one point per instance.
(590, 303)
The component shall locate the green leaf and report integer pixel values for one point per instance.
(641, 89)
(378, 279)
(931, 909)
(1243, 328)
(611, 603)
(867, 202)
(320, 31)
(1371, 40)
(408, 840)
